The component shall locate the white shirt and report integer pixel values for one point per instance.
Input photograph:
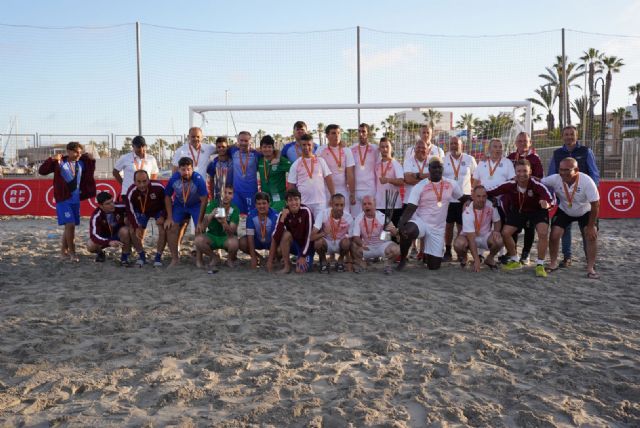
(394, 171)
(368, 229)
(502, 171)
(486, 217)
(433, 151)
(128, 165)
(412, 165)
(365, 167)
(201, 157)
(466, 166)
(336, 231)
(425, 196)
(311, 188)
(585, 193)
(338, 174)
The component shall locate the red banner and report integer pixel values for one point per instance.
(618, 199)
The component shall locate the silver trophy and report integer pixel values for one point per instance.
(218, 192)
(390, 199)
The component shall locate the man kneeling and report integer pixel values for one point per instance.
(107, 229)
(261, 222)
(480, 230)
(331, 233)
(221, 231)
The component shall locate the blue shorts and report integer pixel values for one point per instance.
(259, 245)
(68, 212)
(295, 250)
(180, 213)
(142, 219)
(244, 201)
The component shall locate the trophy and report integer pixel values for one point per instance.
(390, 199)
(218, 191)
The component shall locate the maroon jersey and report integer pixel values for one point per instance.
(528, 201)
(299, 225)
(149, 204)
(103, 227)
(533, 158)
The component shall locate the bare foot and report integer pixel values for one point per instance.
(199, 263)
(173, 264)
(231, 264)
(285, 269)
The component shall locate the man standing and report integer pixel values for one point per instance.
(199, 153)
(528, 200)
(425, 214)
(480, 230)
(273, 169)
(495, 169)
(331, 233)
(312, 177)
(340, 163)
(293, 232)
(366, 156)
(107, 229)
(244, 161)
(220, 168)
(459, 167)
(72, 182)
(293, 150)
(426, 133)
(586, 164)
(390, 177)
(261, 223)
(579, 201)
(144, 201)
(190, 201)
(128, 164)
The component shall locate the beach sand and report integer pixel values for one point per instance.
(99, 345)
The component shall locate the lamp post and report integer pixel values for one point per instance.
(603, 122)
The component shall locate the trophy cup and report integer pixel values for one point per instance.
(218, 191)
(390, 199)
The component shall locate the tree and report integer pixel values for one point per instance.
(495, 125)
(432, 117)
(470, 123)
(126, 147)
(554, 78)
(635, 90)
(320, 128)
(613, 64)
(412, 127)
(373, 130)
(103, 149)
(619, 115)
(259, 134)
(390, 126)
(579, 108)
(546, 100)
(592, 59)
(351, 135)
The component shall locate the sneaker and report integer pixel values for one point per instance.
(140, 263)
(388, 270)
(511, 265)
(524, 261)
(324, 268)
(125, 263)
(504, 259)
(101, 257)
(540, 271)
(157, 263)
(339, 267)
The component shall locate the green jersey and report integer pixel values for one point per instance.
(215, 228)
(273, 180)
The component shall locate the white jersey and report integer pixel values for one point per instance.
(413, 166)
(365, 160)
(480, 222)
(492, 174)
(335, 229)
(200, 157)
(460, 170)
(128, 165)
(308, 175)
(332, 156)
(426, 195)
(585, 193)
(391, 169)
(432, 151)
(368, 229)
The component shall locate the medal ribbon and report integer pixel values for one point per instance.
(335, 227)
(456, 171)
(339, 158)
(195, 159)
(137, 166)
(309, 171)
(420, 168)
(366, 228)
(243, 165)
(185, 195)
(492, 170)
(267, 169)
(383, 171)
(478, 223)
(573, 192)
(263, 228)
(438, 195)
(143, 206)
(363, 159)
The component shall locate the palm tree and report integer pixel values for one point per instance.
(352, 134)
(578, 107)
(554, 77)
(613, 64)
(320, 129)
(468, 122)
(546, 100)
(390, 126)
(412, 127)
(619, 115)
(635, 90)
(432, 117)
(593, 65)
(373, 130)
(259, 134)
(495, 125)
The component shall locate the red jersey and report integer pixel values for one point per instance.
(149, 203)
(103, 227)
(528, 201)
(299, 225)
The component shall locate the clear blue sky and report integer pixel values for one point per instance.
(83, 81)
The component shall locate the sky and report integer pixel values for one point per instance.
(83, 80)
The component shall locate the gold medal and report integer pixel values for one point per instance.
(439, 204)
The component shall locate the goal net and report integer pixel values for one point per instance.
(474, 123)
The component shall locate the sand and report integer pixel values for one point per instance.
(98, 345)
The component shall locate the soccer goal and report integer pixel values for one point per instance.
(474, 122)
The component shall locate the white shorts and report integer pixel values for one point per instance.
(333, 247)
(376, 251)
(433, 238)
(482, 241)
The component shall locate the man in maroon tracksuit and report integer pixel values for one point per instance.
(525, 151)
(107, 229)
(528, 200)
(293, 235)
(144, 201)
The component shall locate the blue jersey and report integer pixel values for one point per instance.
(289, 150)
(218, 168)
(253, 226)
(193, 189)
(244, 181)
(72, 171)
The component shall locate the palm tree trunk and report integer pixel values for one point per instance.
(592, 71)
(638, 107)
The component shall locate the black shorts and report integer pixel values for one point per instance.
(519, 219)
(563, 220)
(454, 213)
